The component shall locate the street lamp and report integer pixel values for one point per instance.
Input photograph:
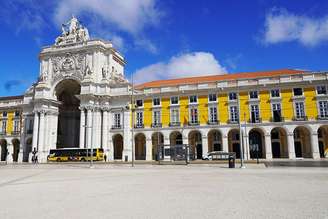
(241, 137)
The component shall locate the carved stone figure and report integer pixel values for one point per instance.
(75, 33)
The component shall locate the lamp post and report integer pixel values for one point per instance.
(241, 137)
(132, 128)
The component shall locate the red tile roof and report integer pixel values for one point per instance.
(12, 97)
(213, 78)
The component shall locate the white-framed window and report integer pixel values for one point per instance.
(233, 114)
(253, 94)
(232, 96)
(4, 126)
(156, 101)
(193, 99)
(213, 114)
(276, 112)
(174, 115)
(193, 115)
(17, 113)
(175, 100)
(212, 98)
(30, 125)
(4, 114)
(323, 109)
(298, 91)
(321, 90)
(117, 120)
(156, 117)
(16, 125)
(299, 110)
(139, 103)
(275, 93)
(139, 119)
(255, 113)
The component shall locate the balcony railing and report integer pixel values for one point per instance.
(233, 121)
(174, 124)
(213, 122)
(323, 117)
(139, 126)
(156, 125)
(300, 118)
(277, 119)
(117, 126)
(255, 120)
(194, 123)
(3, 133)
(15, 132)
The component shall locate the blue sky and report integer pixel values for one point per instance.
(167, 39)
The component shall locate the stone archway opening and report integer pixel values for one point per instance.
(68, 130)
(256, 143)
(234, 142)
(28, 149)
(16, 144)
(118, 146)
(176, 138)
(4, 149)
(302, 142)
(323, 141)
(214, 140)
(279, 145)
(157, 140)
(140, 146)
(195, 142)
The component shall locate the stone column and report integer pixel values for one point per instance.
(82, 128)
(10, 152)
(41, 149)
(149, 149)
(96, 129)
(268, 146)
(245, 141)
(225, 144)
(204, 145)
(291, 146)
(89, 128)
(315, 146)
(105, 132)
(127, 136)
(35, 131)
(54, 121)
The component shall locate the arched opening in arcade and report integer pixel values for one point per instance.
(176, 138)
(68, 130)
(195, 142)
(140, 146)
(234, 142)
(279, 145)
(323, 141)
(302, 142)
(28, 149)
(256, 143)
(214, 138)
(118, 146)
(157, 140)
(16, 144)
(4, 149)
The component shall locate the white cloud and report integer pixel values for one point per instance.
(184, 65)
(128, 15)
(282, 26)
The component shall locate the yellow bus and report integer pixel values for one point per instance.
(75, 154)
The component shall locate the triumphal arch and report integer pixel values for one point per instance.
(81, 85)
